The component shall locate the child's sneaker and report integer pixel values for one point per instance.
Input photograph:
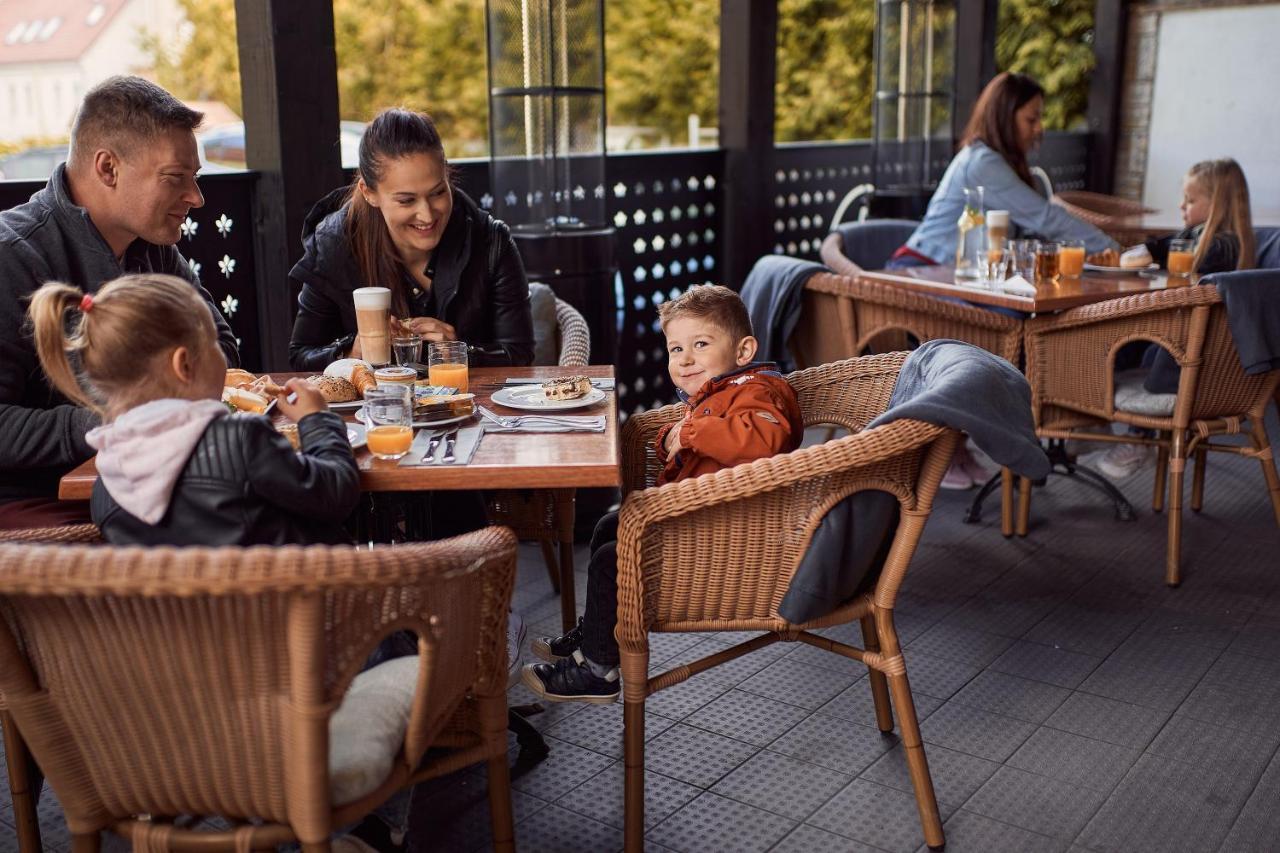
(1124, 460)
(552, 649)
(571, 680)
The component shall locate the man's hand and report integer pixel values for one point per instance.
(307, 401)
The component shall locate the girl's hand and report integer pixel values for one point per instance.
(429, 328)
(308, 400)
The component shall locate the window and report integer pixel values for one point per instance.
(826, 71)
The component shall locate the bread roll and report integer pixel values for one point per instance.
(334, 390)
(362, 378)
(237, 378)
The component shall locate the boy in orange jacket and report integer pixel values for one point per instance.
(737, 411)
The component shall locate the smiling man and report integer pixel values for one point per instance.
(116, 206)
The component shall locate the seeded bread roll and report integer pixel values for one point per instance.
(566, 387)
(335, 390)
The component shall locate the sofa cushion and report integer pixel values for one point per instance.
(367, 731)
(1132, 397)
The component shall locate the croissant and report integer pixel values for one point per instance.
(362, 378)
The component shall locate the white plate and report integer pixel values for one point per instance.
(531, 399)
(1121, 270)
(424, 424)
(349, 406)
(355, 435)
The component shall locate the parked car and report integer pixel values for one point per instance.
(225, 144)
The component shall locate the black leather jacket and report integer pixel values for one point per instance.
(244, 485)
(479, 287)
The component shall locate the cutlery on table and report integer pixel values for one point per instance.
(450, 440)
(430, 453)
(511, 422)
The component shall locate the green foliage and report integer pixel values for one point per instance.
(826, 75)
(207, 65)
(1052, 40)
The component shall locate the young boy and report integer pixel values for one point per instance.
(737, 412)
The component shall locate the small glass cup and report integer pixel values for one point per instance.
(1047, 261)
(995, 264)
(1182, 254)
(447, 364)
(1024, 258)
(388, 415)
(1071, 259)
(407, 349)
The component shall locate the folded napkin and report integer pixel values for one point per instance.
(562, 423)
(463, 449)
(602, 384)
(1018, 286)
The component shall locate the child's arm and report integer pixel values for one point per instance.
(755, 425)
(322, 482)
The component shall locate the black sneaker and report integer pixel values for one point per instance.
(552, 649)
(571, 680)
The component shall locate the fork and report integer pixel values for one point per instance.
(511, 422)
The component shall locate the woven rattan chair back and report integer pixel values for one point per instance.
(841, 317)
(717, 553)
(200, 681)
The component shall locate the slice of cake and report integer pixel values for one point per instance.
(566, 387)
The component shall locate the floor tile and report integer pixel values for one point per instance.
(1038, 803)
(681, 700)
(1012, 696)
(798, 683)
(599, 728)
(745, 716)
(1161, 689)
(856, 705)
(955, 775)
(971, 648)
(967, 831)
(937, 676)
(555, 828)
(823, 659)
(1046, 663)
(1074, 759)
(974, 731)
(810, 839)
(601, 796)
(695, 756)
(1257, 827)
(712, 822)
(1110, 720)
(1241, 754)
(874, 814)
(778, 783)
(1237, 706)
(565, 767)
(835, 744)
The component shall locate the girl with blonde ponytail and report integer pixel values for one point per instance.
(175, 467)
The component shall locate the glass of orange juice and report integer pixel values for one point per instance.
(1071, 259)
(447, 364)
(388, 414)
(1181, 255)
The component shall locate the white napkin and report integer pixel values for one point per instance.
(602, 384)
(464, 447)
(1018, 285)
(562, 423)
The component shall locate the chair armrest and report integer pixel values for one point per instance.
(640, 465)
(725, 545)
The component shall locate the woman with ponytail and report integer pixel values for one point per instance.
(453, 270)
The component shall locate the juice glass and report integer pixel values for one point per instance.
(1047, 261)
(447, 364)
(388, 414)
(1071, 259)
(1181, 255)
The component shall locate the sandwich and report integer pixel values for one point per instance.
(244, 400)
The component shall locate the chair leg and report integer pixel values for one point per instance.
(633, 801)
(1024, 505)
(500, 816)
(1197, 479)
(1177, 466)
(25, 816)
(552, 562)
(565, 509)
(1006, 502)
(917, 764)
(879, 685)
(1162, 468)
(1262, 443)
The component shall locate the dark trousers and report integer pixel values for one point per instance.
(600, 616)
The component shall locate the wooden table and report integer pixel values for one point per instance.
(1065, 293)
(561, 462)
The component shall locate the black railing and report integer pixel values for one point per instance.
(668, 209)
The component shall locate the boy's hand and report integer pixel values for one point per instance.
(307, 400)
(672, 441)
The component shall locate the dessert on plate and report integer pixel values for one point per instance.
(566, 387)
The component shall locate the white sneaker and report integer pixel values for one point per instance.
(516, 634)
(1124, 460)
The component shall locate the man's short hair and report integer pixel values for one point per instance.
(717, 305)
(124, 113)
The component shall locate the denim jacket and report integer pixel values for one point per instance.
(976, 165)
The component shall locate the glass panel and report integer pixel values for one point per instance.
(1056, 49)
(825, 70)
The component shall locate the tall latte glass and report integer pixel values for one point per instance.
(373, 322)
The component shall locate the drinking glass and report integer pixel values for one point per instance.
(1024, 259)
(995, 265)
(447, 364)
(388, 414)
(1071, 259)
(997, 228)
(1047, 261)
(373, 323)
(1181, 255)
(407, 349)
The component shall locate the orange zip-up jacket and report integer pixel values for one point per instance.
(739, 417)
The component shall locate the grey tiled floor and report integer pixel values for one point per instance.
(1069, 702)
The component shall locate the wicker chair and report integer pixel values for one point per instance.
(716, 553)
(207, 682)
(1070, 359)
(546, 515)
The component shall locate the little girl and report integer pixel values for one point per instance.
(1215, 214)
(175, 467)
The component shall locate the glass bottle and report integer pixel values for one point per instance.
(969, 243)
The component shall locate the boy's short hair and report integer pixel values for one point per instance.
(713, 303)
(124, 113)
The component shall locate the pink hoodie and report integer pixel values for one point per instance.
(142, 453)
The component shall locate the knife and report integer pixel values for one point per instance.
(429, 455)
(450, 439)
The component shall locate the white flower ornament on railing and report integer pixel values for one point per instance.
(224, 225)
(230, 305)
(227, 265)
(189, 227)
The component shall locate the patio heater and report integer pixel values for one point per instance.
(547, 151)
(915, 72)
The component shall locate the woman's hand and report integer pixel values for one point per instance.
(428, 328)
(307, 401)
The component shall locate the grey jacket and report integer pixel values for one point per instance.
(50, 238)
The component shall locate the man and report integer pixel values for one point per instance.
(116, 206)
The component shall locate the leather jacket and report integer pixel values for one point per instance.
(479, 287)
(245, 485)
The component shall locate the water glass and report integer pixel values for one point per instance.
(388, 415)
(995, 265)
(1024, 258)
(407, 349)
(447, 364)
